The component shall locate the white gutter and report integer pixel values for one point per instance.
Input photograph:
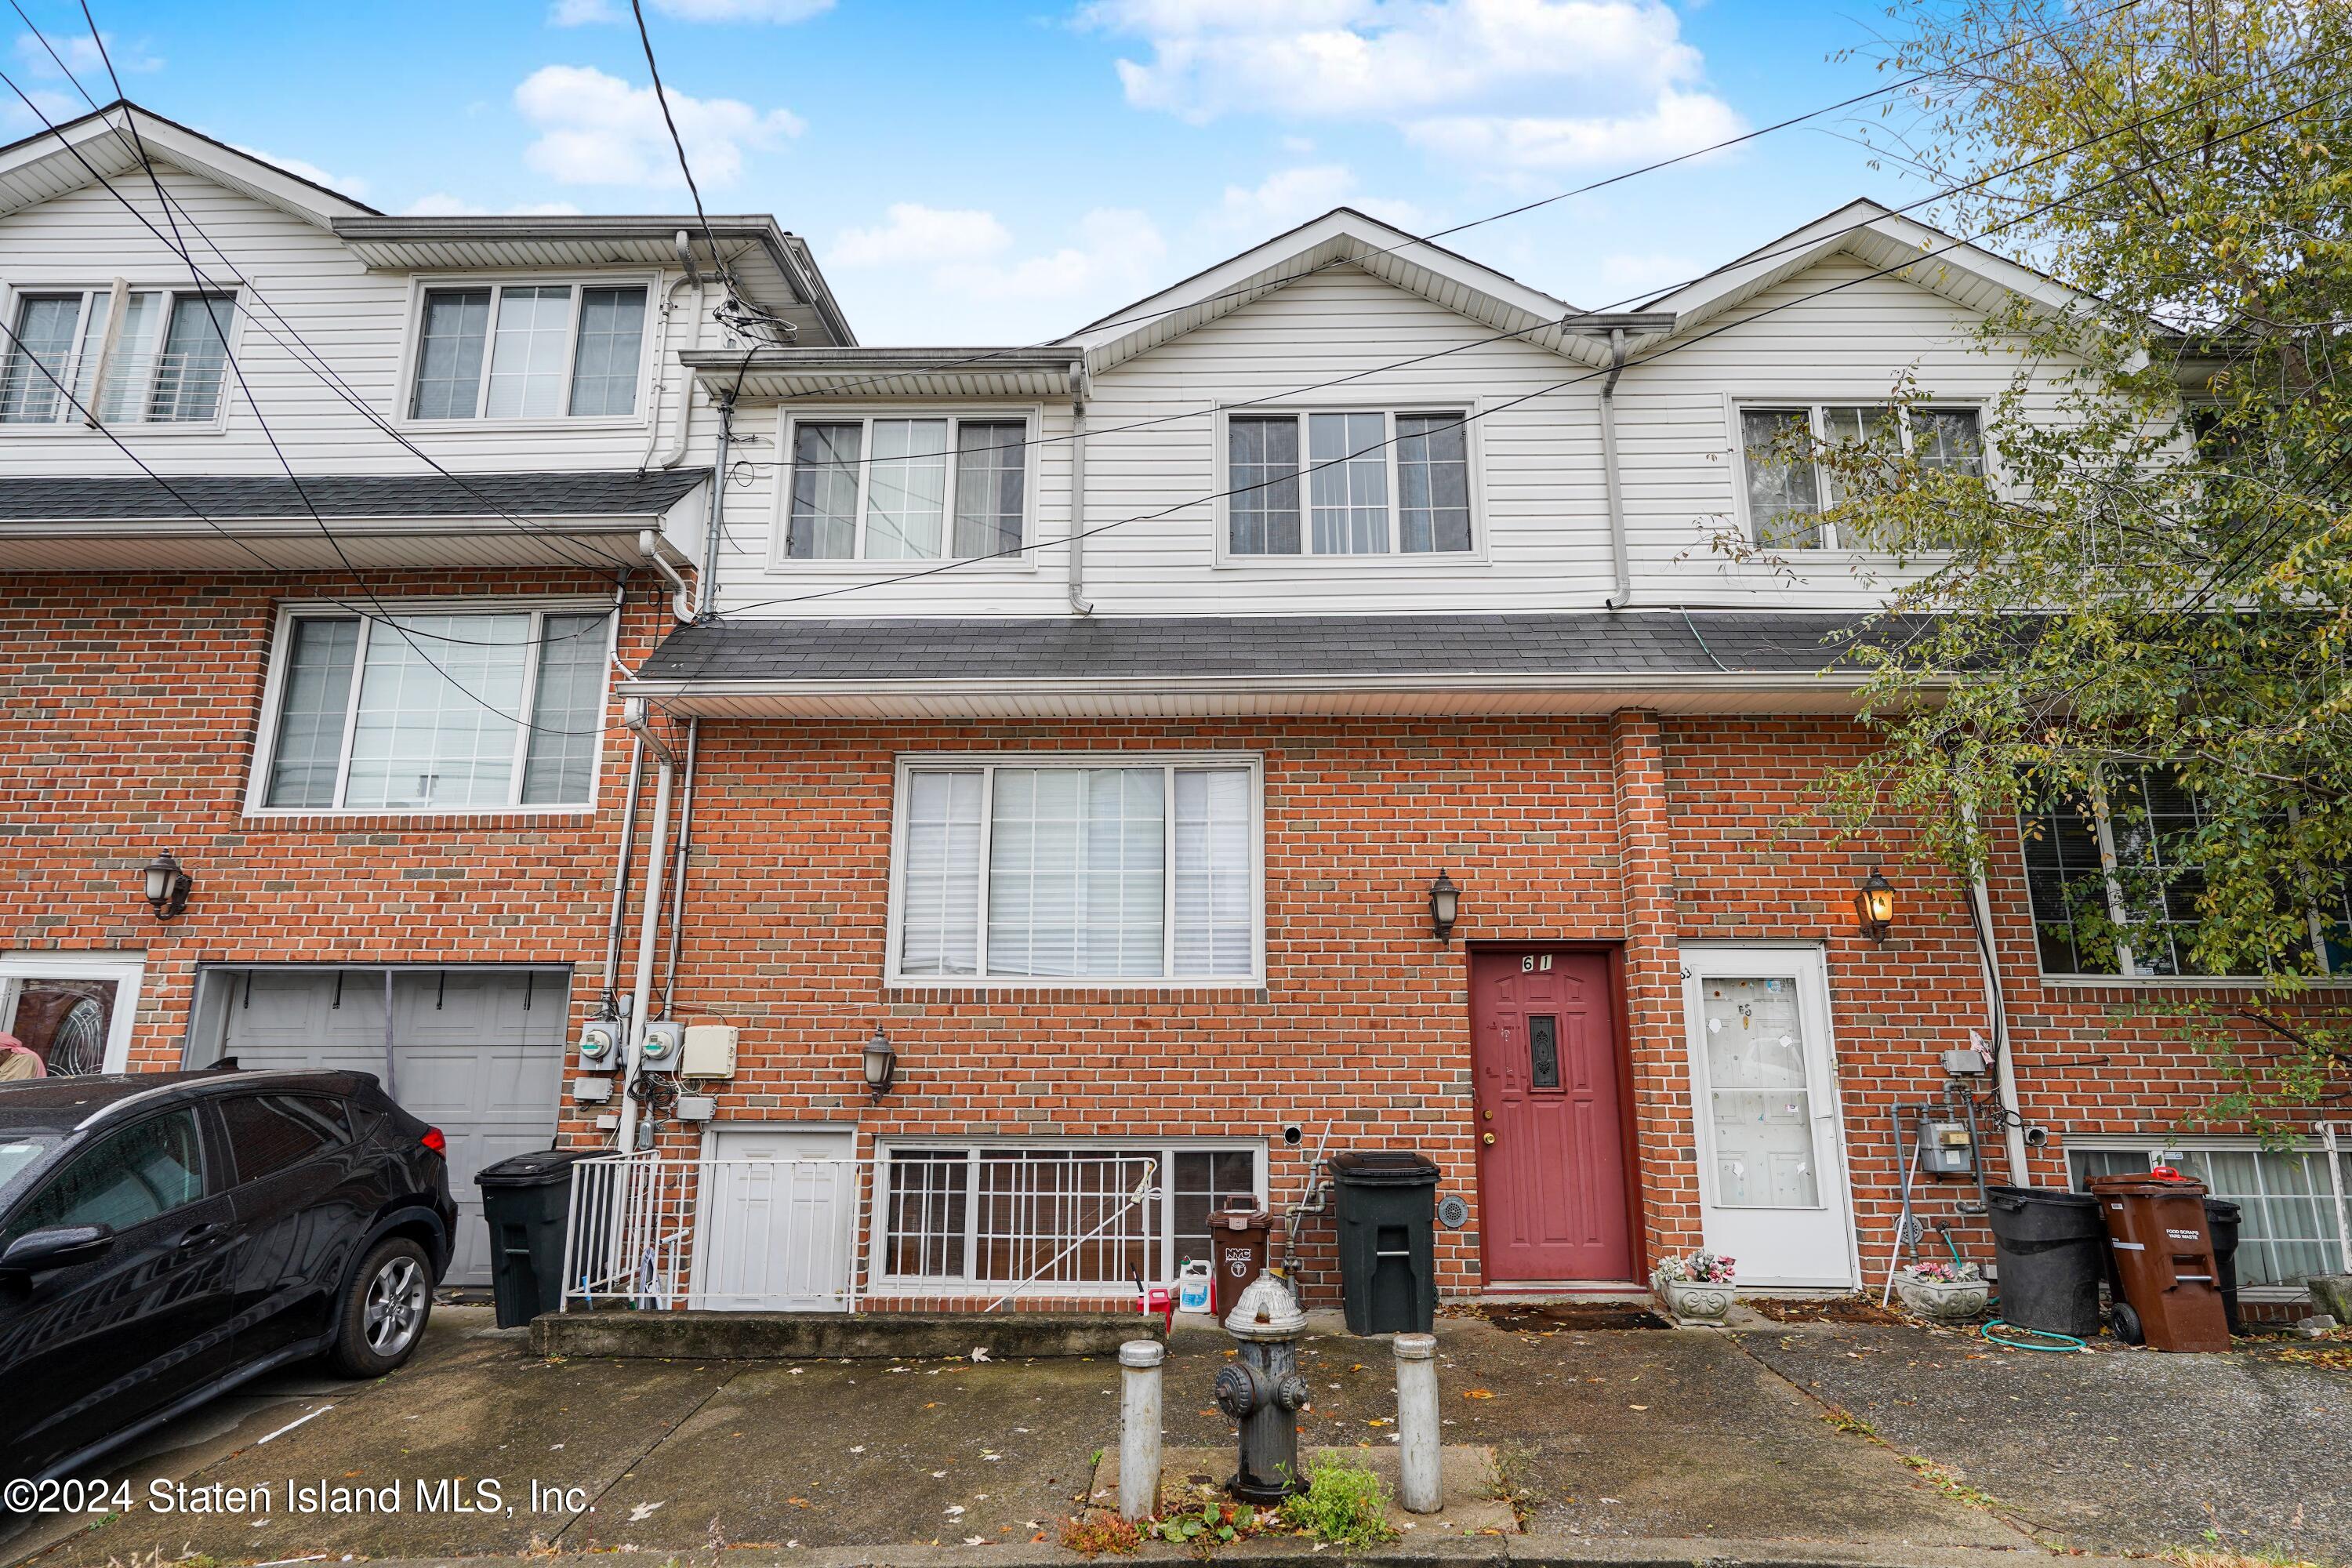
(1619, 555)
(634, 717)
(681, 596)
(1078, 605)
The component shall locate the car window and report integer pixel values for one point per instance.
(20, 1159)
(125, 1178)
(272, 1132)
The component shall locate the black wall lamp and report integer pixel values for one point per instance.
(1444, 904)
(1873, 906)
(167, 884)
(881, 1063)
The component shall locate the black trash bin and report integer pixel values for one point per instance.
(2222, 1218)
(526, 1199)
(2051, 1248)
(1387, 1214)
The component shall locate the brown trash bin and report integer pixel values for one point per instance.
(1238, 1240)
(2160, 1262)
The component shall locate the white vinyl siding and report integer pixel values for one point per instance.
(1376, 483)
(892, 489)
(436, 710)
(523, 351)
(1789, 488)
(168, 365)
(1046, 869)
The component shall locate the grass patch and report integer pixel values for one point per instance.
(1100, 1530)
(1344, 1504)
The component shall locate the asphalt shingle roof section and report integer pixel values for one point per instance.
(221, 496)
(1595, 642)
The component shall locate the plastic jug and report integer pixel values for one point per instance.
(1194, 1282)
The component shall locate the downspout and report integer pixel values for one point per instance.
(612, 1001)
(2004, 1071)
(681, 596)
(634, 716)
(661, 369)
(709, 580)
(677, 868)
(1618, 555)
(1078, 605)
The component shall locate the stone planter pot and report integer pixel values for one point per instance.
(2332, 1294)
(1942, 1301)
(1690, 1301)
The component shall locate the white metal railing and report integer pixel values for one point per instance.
(165, 388)
(666, 1232)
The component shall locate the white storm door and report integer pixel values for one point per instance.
(776, 1222)
(1772, 1186)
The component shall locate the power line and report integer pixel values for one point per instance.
(2204, 141)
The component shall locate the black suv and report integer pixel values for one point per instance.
(165, 1236)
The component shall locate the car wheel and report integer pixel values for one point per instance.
(383, 1309)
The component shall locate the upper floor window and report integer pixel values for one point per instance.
(529, 351)
(1789, 491)
(435, 711)
(895, 489)
(1045, 869)
(130, 356)
(1347, 483)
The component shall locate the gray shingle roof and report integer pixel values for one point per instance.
(344, 495)
(1596, 642)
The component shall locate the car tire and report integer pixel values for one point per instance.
(380, 1319)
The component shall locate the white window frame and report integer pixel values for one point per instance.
(1470, 411)
(125, 969)
(908, 765)
(12, 295)
(1164, 1150)
(1737, 405)
(413, 350)
(1031, 417)
(2163, 1151)
(281, 648)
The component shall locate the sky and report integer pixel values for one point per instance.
(975, 173)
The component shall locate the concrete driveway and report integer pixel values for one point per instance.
(1688, 1443)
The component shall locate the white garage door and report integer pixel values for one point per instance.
(478, 1052)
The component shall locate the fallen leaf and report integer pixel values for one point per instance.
(1637, 1407)
(1478, 1393)
(799, 1502)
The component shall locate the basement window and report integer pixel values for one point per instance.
(1083, 1217)
(435, 711)
(128, 356)
(529, 351)
(2286, 1229)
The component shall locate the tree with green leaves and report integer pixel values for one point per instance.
(2127, 633)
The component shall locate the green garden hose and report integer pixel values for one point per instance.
(2067, 1341)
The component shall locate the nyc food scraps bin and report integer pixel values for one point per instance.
(2050, 1246)
(1238, 1239)
(526, 1199)
(1387, 1212)
(2168, 1286)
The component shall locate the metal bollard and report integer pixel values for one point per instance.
(1139, 1428)
(1417, 1457)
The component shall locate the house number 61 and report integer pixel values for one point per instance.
(1528, 964)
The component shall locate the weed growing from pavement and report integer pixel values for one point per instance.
(1344, 1504)
(1845, 1420)
(2198, 1557)
(1950, 1485)
(1098, 1530)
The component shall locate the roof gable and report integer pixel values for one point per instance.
(1344, 236)
(106, 144)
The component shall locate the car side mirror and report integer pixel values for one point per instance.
(60, 1246)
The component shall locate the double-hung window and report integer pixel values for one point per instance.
(130, 356)
(1347, 482)
(1040, 870)
(907, 488)
(1789, 484)
(436, 710)
(2287, 1197)
(529, 351)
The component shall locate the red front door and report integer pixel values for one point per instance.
(1551, 1143)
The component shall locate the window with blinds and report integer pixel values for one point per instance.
(1021, 872)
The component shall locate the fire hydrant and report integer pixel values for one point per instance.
(1261, 1389)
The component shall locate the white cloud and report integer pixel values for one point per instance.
(917, 235)
(598, 129)
(350, 186)
(441, 204)
(582, 13)
(1288, 197)
(57, 108)
(1489, 75)
(1631, 278)
(83, 58)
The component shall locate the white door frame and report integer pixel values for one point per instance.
(1810, 960)
(698, 1275)
(125, 969)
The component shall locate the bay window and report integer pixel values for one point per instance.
(130, 356)
(433, 711)
(1790, 486)
(889, 488)
(1022, 871)
(1347, 482)
(529, 351)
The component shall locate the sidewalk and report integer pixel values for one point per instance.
(1627, 1446)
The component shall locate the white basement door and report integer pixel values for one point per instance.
(477, 1051)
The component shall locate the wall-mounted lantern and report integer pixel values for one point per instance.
(167, 886)
(881, 1063)
(1444, 904)
(1873, 906)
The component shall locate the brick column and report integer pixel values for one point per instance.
(1666, 1143)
